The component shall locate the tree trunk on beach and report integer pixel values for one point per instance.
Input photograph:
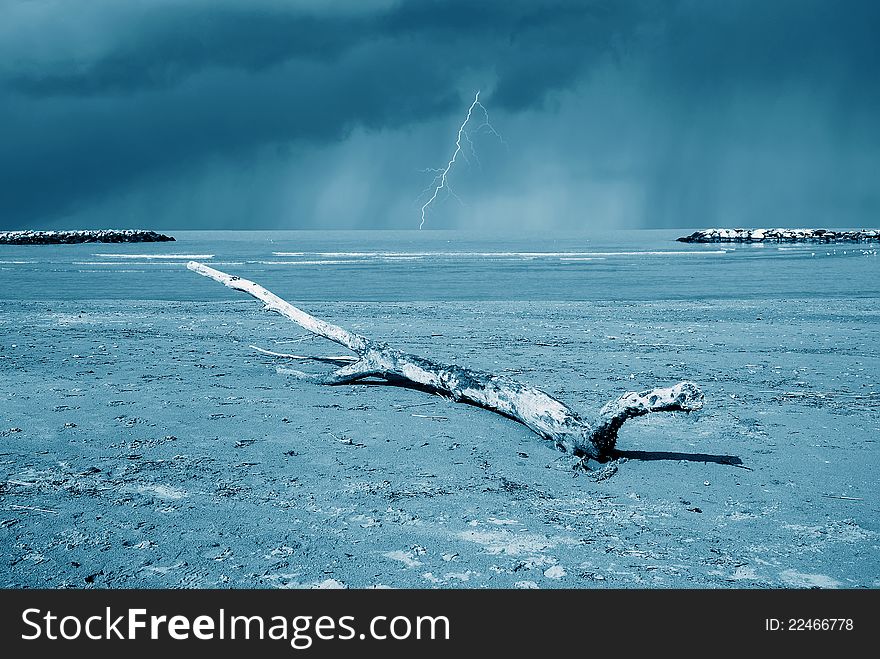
(592, 437)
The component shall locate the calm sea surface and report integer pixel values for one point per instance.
(441, 265)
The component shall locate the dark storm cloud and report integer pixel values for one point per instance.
(533, 45)
(768, 113)
(99, 98)
(166, 45)
(171, 84)
(93, 145)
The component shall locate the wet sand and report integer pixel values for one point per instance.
(144, 444)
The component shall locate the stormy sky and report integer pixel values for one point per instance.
(290, 114)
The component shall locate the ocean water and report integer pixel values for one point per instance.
(441, 265)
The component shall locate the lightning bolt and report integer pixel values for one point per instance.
(441, 180)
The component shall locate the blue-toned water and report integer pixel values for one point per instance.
(441, 265)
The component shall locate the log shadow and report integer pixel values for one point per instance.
(731, 460)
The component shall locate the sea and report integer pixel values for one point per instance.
(442, 265)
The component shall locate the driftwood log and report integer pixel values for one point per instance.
(594, 437)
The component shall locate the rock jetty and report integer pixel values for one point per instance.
(69, 237)
(781, 236)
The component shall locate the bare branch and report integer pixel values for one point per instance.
(341, 359)
(545, 415)
(274, 303)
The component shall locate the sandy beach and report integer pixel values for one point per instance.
(144, 444)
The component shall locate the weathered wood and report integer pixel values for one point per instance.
(545, 415)
(341, 359)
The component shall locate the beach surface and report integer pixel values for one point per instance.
(145, 444)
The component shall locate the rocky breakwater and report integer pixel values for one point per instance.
(69, 237)
(781, 236)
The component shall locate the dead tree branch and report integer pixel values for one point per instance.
(545, 415)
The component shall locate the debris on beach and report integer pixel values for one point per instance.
(542, 413)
